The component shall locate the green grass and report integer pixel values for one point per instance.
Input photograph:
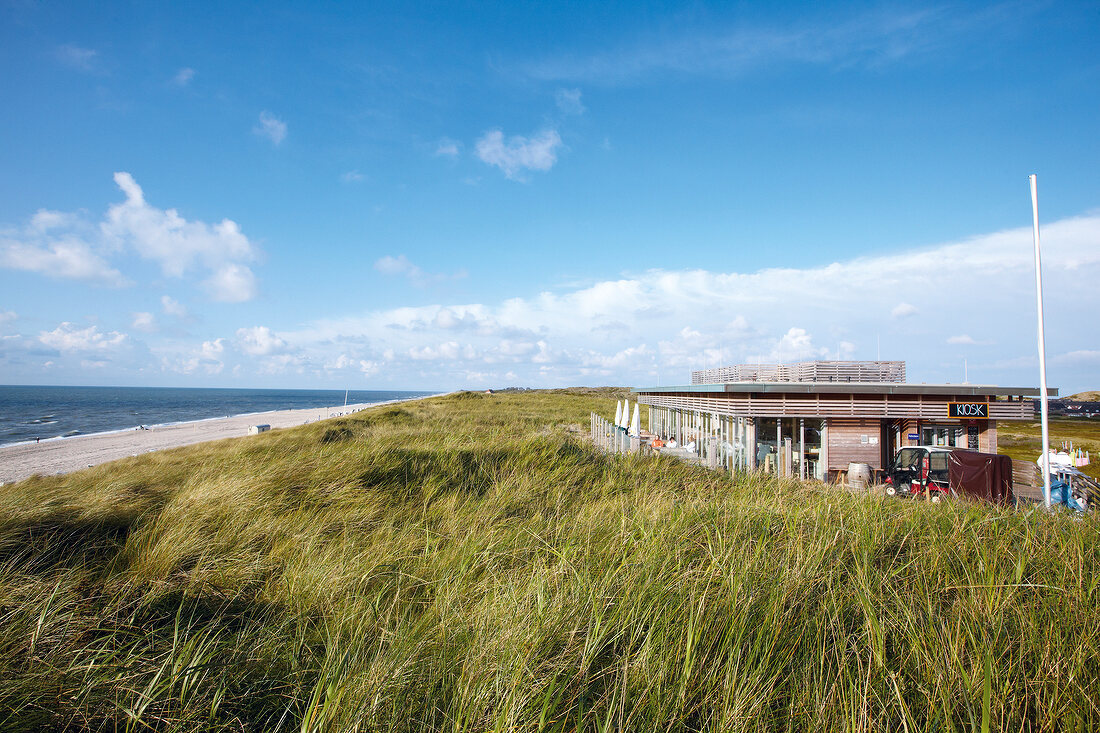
(1021, 440)
(466, 563)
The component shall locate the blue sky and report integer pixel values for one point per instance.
(469, 195)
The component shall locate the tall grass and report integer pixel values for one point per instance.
(465, 564)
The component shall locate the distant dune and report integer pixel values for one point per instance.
(1093, 396)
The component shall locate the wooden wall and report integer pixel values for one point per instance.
(846, 446)
(987, 438)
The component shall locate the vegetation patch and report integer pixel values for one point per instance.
(453, 564)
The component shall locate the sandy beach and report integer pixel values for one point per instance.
(65, 455)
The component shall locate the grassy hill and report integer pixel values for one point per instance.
(465, 563)
(1021, 439)
(1084, 397)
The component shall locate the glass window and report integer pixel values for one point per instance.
(767, 448)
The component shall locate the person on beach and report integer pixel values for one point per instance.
(36, 440)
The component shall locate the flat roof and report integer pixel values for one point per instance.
(968, 390)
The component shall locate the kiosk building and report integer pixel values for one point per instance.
(812, 419)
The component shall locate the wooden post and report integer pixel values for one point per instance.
(750, 442)
(802, 448)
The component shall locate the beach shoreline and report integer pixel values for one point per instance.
(63, 455)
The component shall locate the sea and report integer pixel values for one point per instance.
(29, 413)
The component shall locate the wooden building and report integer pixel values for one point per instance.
(812, 419)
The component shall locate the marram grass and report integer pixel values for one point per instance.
(466, 564)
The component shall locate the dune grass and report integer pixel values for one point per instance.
(467, 564)
(1022, 440)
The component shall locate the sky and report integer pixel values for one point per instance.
(471, 195)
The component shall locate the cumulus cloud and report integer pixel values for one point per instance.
(270, 127)
(206, 359)
(667, 322)
(259, 341)
(179, 245)
(65, 257)
(231, 283)
(71, 246)
(67, 337)
(519, 154)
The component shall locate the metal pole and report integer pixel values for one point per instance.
(1042, 341)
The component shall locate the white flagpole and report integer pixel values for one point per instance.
(1042, 342)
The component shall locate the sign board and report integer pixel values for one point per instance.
(914, 436)
(972, 437)
(968, 410)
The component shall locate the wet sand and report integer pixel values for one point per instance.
(65, 455)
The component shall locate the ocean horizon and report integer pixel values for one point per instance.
(30, 412)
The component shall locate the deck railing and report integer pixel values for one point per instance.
(804, 371)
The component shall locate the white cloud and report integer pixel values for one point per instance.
(569, 101)
(795, 345)
(144, 321)
(173, 307)
(81, 59)
(71, 246)
(448, 351)
(447, 148)
(67, 257)
(68, 337)
(259, 341)
(179, 245)
(871, 39)
(351, 177)
(668, 322)
(183, 77)
(6, 316)
(270, 127)
(400, 265)
(232, 283)
(1081, 357)
(213, 349)
(963, 339)
(903, 310)
(519, 154)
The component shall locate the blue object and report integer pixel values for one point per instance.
(1060, 493)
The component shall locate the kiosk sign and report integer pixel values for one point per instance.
(968, 410)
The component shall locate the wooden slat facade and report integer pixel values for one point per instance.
(859, 423)
(929, 407)
(846, 443)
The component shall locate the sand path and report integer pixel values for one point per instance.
(65, 455)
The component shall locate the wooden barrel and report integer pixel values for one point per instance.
(859, 475)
